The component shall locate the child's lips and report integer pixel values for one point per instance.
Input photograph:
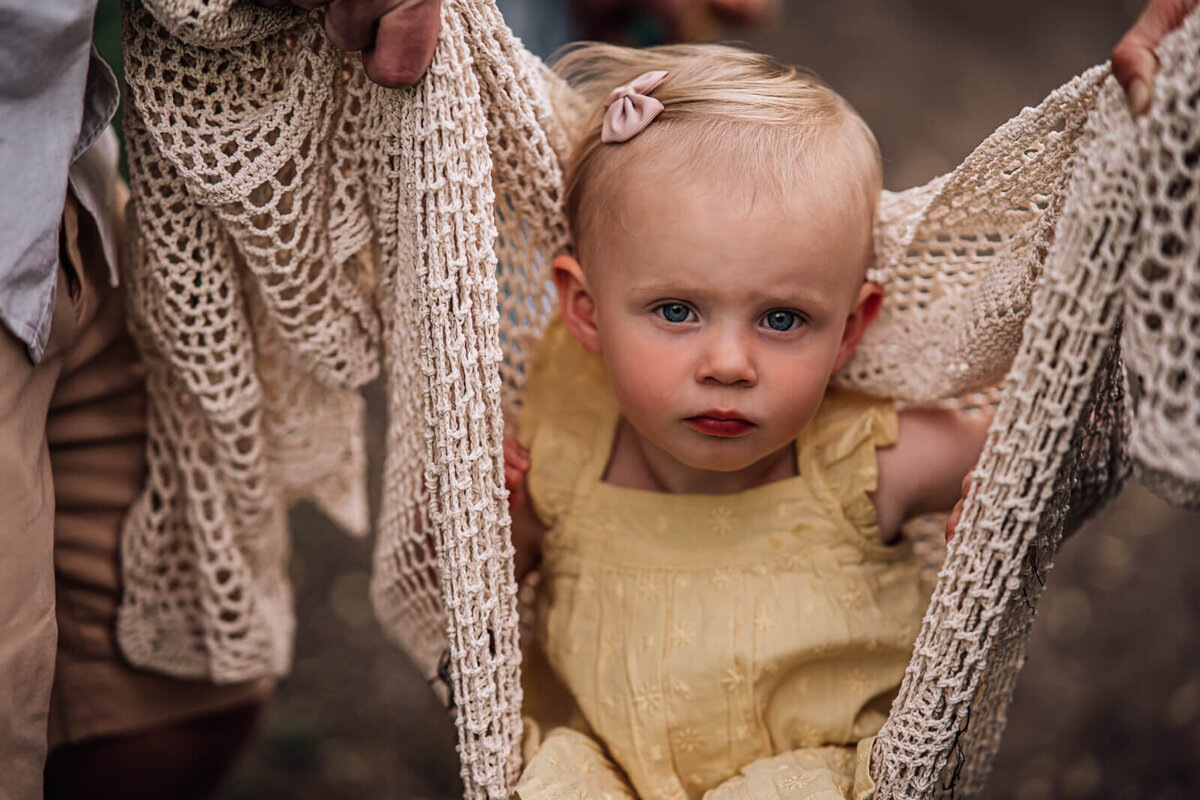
(720, 423)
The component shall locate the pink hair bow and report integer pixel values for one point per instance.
(629, 108)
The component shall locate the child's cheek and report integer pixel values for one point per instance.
(799, 388)
(645, 376)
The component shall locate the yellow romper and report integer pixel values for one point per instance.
(716, 646)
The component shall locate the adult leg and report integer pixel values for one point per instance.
(27, 626)
(117, 731)
(187, 760)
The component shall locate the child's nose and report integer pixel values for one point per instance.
(727, 361)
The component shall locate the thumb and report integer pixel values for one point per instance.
(1133, 60)
(405, 40)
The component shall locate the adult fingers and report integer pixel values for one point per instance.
(1133, 60)
(350, 24)
(404, 43)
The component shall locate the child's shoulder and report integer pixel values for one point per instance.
(848, 419)
(564, 383)
(567, 420)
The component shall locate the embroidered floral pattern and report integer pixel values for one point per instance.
(691, 658)
(722, 521)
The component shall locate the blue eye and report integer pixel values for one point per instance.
(674, 312)
(780, 320)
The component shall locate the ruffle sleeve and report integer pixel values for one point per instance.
(815, 773)
(567, 421)
(838, 447)
(568, 765)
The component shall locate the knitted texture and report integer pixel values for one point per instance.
(1123, 247)
(296, 225)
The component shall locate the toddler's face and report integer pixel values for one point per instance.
(720, 314)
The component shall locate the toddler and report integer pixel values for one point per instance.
(725, 608)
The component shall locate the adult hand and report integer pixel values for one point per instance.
(396, 37)
(1133, 59)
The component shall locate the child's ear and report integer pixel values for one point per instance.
(866, 308)
(575, 303)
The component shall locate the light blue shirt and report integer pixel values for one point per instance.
(57, 96)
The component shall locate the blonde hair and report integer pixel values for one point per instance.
(743, 111)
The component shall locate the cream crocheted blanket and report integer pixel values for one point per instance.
(297, 227)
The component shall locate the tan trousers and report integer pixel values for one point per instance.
(72, 441)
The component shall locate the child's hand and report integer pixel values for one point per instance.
(527, 529)
(956, 512)
(516, 465)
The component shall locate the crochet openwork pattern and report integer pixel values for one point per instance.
(296, 226)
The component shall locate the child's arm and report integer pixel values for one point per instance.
(527, 529)
(925, 470)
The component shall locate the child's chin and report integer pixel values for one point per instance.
(718, 462)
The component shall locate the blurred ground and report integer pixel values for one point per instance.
(1109, 704)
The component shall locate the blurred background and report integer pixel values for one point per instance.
(1108, 705)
